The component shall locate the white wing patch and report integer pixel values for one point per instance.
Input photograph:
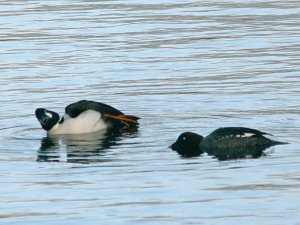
(245, 135)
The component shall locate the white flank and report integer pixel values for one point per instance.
(86, 122)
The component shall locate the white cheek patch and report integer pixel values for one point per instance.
(246, 135)
(48, 114)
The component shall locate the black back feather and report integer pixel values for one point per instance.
(235, 131)
(74, 109)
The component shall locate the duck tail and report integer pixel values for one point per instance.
(127, 120)
(130, 120)
(279, 143)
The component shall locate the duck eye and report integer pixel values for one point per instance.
(184, 138)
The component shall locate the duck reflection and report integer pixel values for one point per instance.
(81, 148)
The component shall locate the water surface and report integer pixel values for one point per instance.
(180, 66)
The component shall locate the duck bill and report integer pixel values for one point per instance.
(171, 147)
(40, 115)
(43, 120)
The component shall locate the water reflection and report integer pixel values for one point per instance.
(81, 148)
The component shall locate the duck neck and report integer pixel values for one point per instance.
(54, 128)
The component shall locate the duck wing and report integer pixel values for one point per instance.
(224, 132)
(109, 113)
(75, 109)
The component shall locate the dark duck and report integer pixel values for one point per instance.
(84, 117)
(224, 143)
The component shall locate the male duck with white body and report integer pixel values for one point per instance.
(84, 117)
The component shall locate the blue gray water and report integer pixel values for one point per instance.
(180, 66)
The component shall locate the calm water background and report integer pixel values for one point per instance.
(180, 66)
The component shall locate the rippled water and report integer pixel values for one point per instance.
(180, 66)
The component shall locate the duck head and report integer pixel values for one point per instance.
(187, 144)
(48, 119)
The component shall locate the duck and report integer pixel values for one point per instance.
(84, 117)
(224, 143)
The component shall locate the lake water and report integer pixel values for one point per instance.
(180, 66)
